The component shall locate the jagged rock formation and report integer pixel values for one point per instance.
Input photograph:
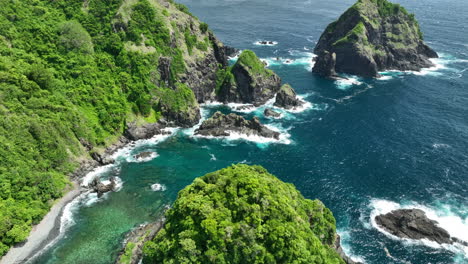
(220, 125)
(287, 98)
(249, 81)
(271, 113)
(101, 188)
(372, 36)
(414, 224)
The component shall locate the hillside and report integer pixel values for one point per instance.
(243, 214)
(76, 75)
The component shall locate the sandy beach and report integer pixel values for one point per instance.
(43, 233)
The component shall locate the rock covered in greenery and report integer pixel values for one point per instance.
(287, 98)
(372, 36)
(221, 125)
(249, 81)
(243, 214)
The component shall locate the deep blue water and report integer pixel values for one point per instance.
(363, 148)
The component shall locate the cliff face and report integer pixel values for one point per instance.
(372, 36)
(249, 81)
(243, 214)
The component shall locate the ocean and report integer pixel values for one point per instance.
(362, 146)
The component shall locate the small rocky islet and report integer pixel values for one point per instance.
(414, 224)
(370, 37)
(221, 125)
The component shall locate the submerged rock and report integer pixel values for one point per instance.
(271, 113)
(414, 224)
(220, 125)
(372, 36)
(287, 98)
(144, 155)
(249, 81)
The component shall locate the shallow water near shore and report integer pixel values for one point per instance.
(363, 147)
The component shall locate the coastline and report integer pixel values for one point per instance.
(43, 233)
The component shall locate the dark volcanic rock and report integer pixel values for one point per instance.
(249, 81)
(146, 131)
(271, 113)
(220, 125)
(325, 64)
(413, 224)
(287, 98)
(372, 36)
(101, 188)
(143, 155)
(164, 69)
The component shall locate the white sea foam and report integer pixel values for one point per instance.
(157, 187)
(151, 156)
(86, 180)
(447, 218)
(440, 145)
(213, 157)
(440, 64)
(284, 137)
(297, 58)
(126, 152)
(345, 237)
(234, 58)
(259, 43)
(348, 82)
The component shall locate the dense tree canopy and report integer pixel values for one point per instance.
(243, 214)
(73, 73)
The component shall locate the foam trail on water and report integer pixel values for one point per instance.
(447, 218)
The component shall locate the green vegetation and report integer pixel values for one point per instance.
(373, 13)
(70, 79)
(223, 75)
(354, 35)
(175, 100)
(203, 27)
(127, 256)
(250, 61)
(243, 214)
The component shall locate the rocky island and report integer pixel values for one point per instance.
(221, 125)
(287, 98)
(414, 224)
(237, 215)
(249, 81)
(372, 36)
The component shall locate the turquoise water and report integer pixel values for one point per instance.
(363, 147)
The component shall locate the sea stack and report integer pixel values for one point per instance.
(372, 36)
(249, 81)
